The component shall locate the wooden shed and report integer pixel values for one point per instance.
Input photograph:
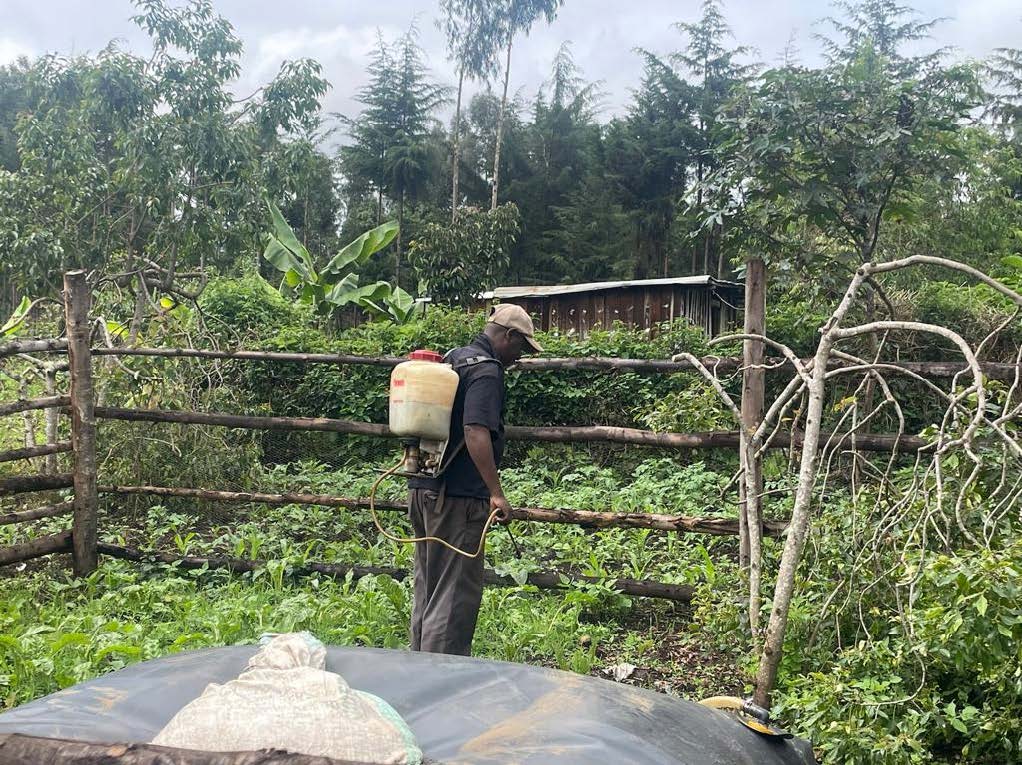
(712, 304)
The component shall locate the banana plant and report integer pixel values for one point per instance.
(337, 283)
(16, 321)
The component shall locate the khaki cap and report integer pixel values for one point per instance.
(515, 317)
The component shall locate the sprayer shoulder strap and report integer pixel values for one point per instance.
(471, 361)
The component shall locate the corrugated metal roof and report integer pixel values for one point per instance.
(501, 293)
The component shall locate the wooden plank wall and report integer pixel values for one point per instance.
(636, 307)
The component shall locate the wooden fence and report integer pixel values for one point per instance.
(80, 539)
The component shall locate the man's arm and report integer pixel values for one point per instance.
(480, 449)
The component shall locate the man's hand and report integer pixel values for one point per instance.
(499, 503)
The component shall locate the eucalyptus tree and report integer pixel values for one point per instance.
(517, 16)
(473, 32)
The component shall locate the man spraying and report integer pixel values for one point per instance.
(455, 507)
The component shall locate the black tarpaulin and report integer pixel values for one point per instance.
(463, 711)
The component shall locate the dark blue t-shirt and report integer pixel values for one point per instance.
(479, 401)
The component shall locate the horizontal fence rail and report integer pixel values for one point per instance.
(29, 452)
(30, 404)
(543, 580)
(24, 484)
(718, 526)
(723, 365)
(37, 513)
(36, 548)
(54, 344)
(556, 434)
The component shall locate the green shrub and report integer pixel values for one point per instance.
(238, 309)
(936, 679)
(972, 311)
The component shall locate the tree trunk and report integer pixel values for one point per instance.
(137, 315)
(500, 127)
(773, 643)
(400, 230)
(699, 205)
(456, 159)
(721, 259)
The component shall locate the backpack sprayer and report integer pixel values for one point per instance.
(422, 393)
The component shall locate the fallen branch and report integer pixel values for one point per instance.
(584, 518)
(974, 397)
(543, 580)
(36, 548)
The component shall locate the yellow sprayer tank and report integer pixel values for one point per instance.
(422, 392)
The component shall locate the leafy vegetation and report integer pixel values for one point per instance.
(903, 638)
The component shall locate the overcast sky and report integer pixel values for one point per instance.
(604, 33)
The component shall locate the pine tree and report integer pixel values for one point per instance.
(717, 75)
(393, 142)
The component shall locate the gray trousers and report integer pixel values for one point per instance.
(448, 586)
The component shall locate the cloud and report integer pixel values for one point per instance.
(343, 50)
(341, 35)
(11, 49)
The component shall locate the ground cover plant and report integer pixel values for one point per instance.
(58, 631)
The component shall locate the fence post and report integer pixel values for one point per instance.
(753, 386)
(77, 299)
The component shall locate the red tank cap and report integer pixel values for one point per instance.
(423, 355)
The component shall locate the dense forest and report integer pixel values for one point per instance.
(116, 159)
(215, 219)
